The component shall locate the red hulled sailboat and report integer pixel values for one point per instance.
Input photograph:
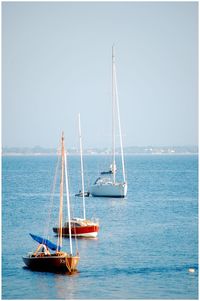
(80, 227)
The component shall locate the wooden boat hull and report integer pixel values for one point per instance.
(89, 231)
(65, 263)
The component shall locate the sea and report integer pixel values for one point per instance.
(147, 247)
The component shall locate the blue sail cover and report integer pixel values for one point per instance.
(45, 242)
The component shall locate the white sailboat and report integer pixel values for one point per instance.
(109, 187)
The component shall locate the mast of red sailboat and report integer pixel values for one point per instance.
(82, 173)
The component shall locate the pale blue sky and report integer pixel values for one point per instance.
(56, 62)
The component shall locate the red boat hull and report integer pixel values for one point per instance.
(89, 231)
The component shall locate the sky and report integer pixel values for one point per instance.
(56, 63)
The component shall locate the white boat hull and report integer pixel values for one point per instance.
(117, 190)
(87, 235)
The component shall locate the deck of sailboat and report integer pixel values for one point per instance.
(80, 222)
(107, 181)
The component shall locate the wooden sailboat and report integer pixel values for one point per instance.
(43, 259)
(80, 227)
(109, 187)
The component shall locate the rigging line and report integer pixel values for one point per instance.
(68, 199)
(61, 190)
(46, 230)
(87, 180)
(86, 173)
(119, 126)
(82, 166)
(68, 188)
(75, 234)
(113, 110)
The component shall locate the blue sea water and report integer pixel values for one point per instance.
(146, 244)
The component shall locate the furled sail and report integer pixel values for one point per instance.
(45, 242)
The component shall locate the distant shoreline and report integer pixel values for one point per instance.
(128, 150)
(94, 154)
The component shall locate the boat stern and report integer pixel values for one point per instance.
(72, 262)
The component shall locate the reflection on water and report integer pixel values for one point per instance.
(68, 281)
(51, 285)
(118, 202)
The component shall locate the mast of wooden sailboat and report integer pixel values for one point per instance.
(61, 193)
(68, 202)
(82, 173)
(113, 112)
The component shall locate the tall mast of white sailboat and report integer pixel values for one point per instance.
(113, 112)
(82, 173)
(120, 132)
(68, 202)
